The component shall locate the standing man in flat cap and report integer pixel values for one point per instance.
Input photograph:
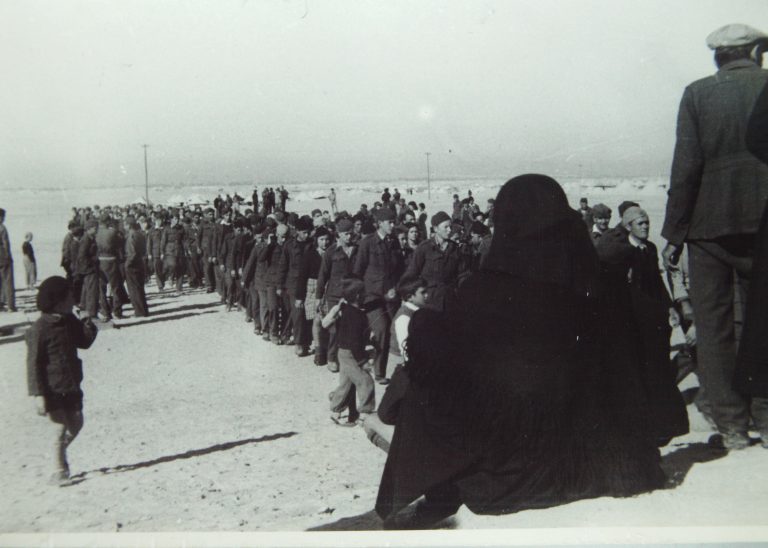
(717, 194)
(379, 265)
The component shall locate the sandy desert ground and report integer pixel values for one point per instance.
(195, 424)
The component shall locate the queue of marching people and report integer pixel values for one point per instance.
(525, 349)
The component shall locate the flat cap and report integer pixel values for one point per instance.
(735, 34)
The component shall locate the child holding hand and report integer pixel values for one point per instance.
(351, 328)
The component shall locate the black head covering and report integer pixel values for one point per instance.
(538, 236)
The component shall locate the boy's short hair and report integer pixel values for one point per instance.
(408, 288)
(352, 289)
(52, 291)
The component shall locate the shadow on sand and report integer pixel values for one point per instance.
(679, 462)
(184, 307)
(192, 453)
(153, 319)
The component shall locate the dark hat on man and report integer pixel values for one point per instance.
(344, 225)
(51, 292)
(440, 217)
(304, 223)
(478, 228)
(279, 217)
(734, 35)
(316, 212)
(384, 214)
(322, 231)
(601, 211)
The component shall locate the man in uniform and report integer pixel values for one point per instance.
(379, 265)
(439, 262)
(88, 270)
(135, 253)
(336, 265)
(717, 194)
(110, 248)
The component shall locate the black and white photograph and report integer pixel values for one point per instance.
(358, 273)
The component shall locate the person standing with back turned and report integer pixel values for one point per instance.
(717, 193)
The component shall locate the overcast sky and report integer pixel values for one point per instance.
(293, 90)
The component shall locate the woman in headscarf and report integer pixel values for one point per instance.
(523, 414)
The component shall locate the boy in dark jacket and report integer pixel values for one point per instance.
(54, 372)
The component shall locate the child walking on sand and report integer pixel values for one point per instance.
(351, 328)
(30, 265)
(54, 372)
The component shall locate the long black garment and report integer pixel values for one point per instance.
(527, 413)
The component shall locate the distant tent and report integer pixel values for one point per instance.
(196, 200)
(175, 200)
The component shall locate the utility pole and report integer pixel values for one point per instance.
(429, 186)
(146, 175)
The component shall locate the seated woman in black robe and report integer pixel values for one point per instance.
(525, 413)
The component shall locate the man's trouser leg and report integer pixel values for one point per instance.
(231, 286)
(289, 306)
(111, 270)
(134, 278)
(320, 338)
(180, 269)
(264, 311)
(273, 302)
(210, 277)
(302, 333)
(379, 323)
(6, 281)
(77, 289)
(254, 303)
(712, 295)
(90, 296)
(195, 272)
(104, 301)
(159, 269)
(333, 339)
(219, 276)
